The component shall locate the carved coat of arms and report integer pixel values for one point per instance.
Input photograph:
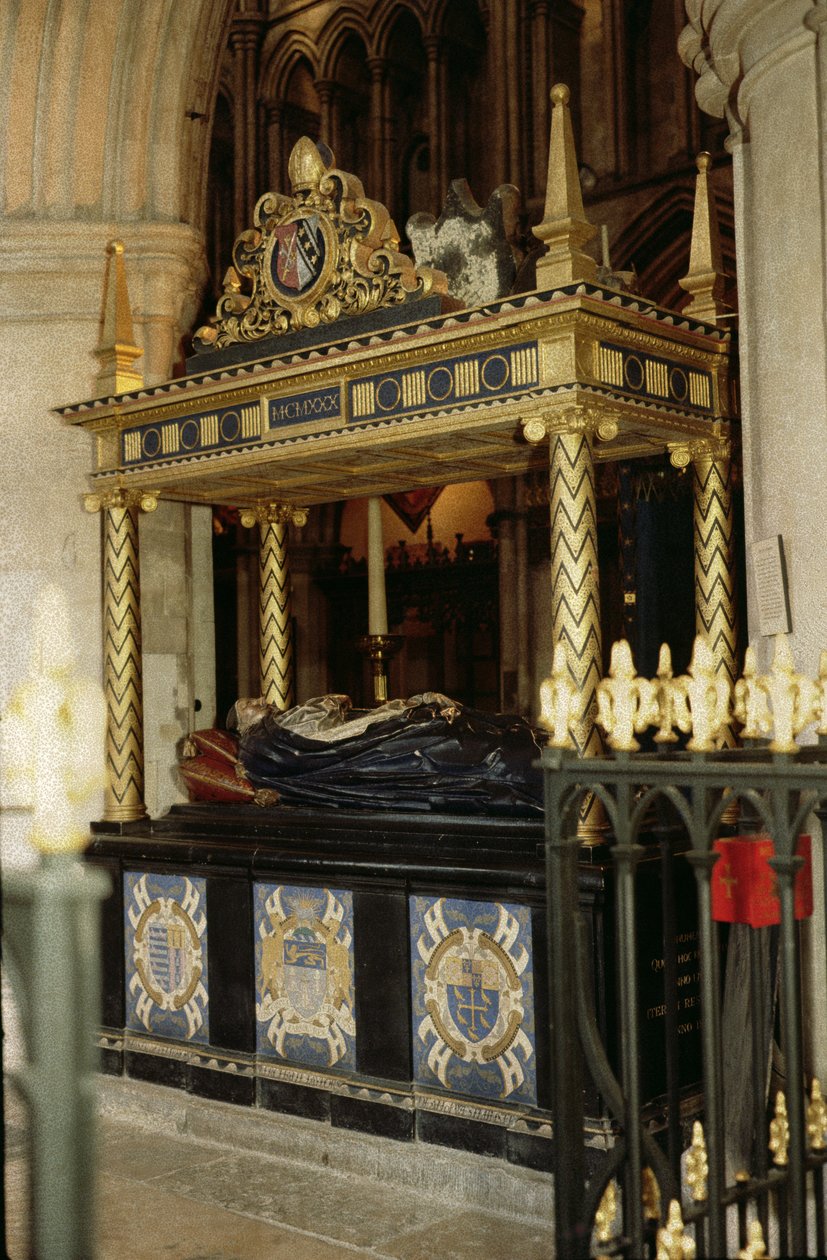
(322, 253)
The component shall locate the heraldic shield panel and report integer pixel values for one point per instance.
(472, 989)
(304, 975)
(165, 934)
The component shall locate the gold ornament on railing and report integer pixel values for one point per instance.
(751, 708)
(559, 702)
(606, 1214)
(697, 1164)
(816, 1118)
(821, 729)
(793, 698)
(702, 699)
(665, 693)
(672, 1242)
(756, 1248)
(625, 703)
(779, 1132)
(650, 1195)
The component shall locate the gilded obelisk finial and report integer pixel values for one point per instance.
(705, 280)
(564, 228)
(116, 344)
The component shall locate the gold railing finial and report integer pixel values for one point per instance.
(625, 703)
(565, 228)
(604, 1217)
(816, 1118)
(756, 1248)
(704, 699)
(705, 279)
(667, 720)
(793, 697)
(697, 1164)
(751, 707)
(559, 703)
(672, 1242)
(779, 1132)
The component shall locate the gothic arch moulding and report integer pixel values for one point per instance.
(280, 62)
(386, 18)
(347, 21)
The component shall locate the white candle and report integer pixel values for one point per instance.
(377, 604)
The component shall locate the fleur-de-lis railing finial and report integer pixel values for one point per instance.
(650, 1195)
(625, 703)
(697, 1164)
(559, 702)
(793, 697)
(703, 699)
(779, 1132)
(665, 692)
(816, 1118)
(821, 729)
(756, 1248)
(672, 1242)
(606, 1214)
(751, 708)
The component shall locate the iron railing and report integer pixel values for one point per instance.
(648, 1196)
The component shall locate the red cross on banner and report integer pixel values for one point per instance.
(744, 885)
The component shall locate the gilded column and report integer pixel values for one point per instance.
(575, 586)
(274, 600)
(715, 607)
(124, 800)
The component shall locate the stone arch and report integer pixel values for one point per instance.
(279, 62)
(346, 22)
(387, 21)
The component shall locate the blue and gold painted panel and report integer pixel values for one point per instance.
(217, 430)
(165, 936)
(653, 377)
(304, 975)
(450, 383)
(472, 993)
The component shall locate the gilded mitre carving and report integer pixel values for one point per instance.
(324, 252)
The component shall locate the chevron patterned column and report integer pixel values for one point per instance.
(715, 606)
(124, 798)
(274, 601)
(575, 590)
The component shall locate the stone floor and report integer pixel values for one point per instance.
(187, 1179)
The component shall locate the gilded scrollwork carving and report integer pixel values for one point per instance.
(324, 252)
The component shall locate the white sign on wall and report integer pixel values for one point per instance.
(770, 571)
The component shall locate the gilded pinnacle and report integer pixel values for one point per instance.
(564, 228)
(705, 280)
(116, 348)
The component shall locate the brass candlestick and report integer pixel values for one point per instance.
(380, 648)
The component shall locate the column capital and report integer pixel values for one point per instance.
(146, 500)
(728, 42)
(377, 67)
(245, 33)
(273, 514)
(598, 422)
(682, 454)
